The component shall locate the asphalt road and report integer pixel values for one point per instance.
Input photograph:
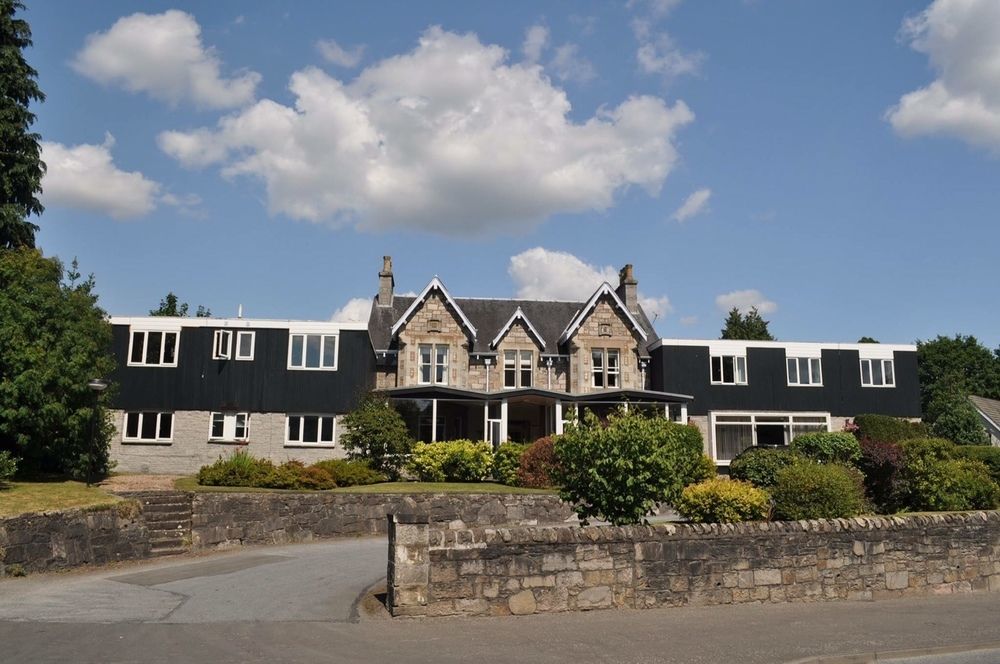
(296, 604)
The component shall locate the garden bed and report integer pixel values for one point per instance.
(191, 484)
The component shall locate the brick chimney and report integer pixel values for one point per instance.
(385, 283)
(628, 289)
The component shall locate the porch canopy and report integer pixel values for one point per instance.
(437, 412)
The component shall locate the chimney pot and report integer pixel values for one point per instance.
(386, 282)
(628, 288)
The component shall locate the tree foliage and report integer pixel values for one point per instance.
(21, 167)
(868, 340)
(950, 369)
(957, 420)
(55, 339)
(750, 326)
(171, 305)
(376, 432)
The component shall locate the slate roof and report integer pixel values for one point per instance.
(989, 408)
(549, 318)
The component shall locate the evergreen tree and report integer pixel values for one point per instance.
(749, 327)
(868, 340)
(21, 167)
(172, 306)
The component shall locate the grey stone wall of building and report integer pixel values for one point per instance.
(503, 571)
(222, 520)
(61, 540)
(190, 447)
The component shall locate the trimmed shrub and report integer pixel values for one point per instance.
(703, 470)
(538, 464)
(8, 466)
(813, 490)
(451, 461)
(882, 465)
(506, 462)
(828, 447)
(927, 449)
(724, 501)
(886, 429)
(238, 469)
(760, 465)
(620, 471)
(375, 432)
(349, 472)
(990, 456)
(932, 484)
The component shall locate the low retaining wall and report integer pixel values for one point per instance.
(222, 520)
(60, 540)
(503, 571)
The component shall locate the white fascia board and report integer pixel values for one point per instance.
(435, 283)
(604, 289)
(170, 323)
(527, 323)
(792, 348)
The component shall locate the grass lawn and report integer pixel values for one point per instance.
(21, 497)
(191, 484)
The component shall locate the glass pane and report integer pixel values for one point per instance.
(716, 369)
(294, 429)
(612, 360)
(296, 350)
(793, 371)
(527, 358)
(799, 429)
(597, 360)
(153, 343)
(732, 418)
(169, 347)
(741, 369)
(425, 364)
(815, 364)
(241, 426)
(731, 439)
(890, 379)
(132, 425)
(218, 425)
(137, 345)
(779, 419)
(148, 428)
(310, 429)
(441, 374)
(312, 350)
(526, 377)
(612, 379)
(866, 372)
(728, 371)
(166, 422)
(877, 372)
(809, 419)
(327, 432)
(509, 377)
(442, 355)
(598, 378)
(509, 356)
(246, 344)
(329, 352)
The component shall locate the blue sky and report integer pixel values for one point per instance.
(834, 163)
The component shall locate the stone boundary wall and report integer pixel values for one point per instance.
(503, 571)
(221, 520)
(61, 540)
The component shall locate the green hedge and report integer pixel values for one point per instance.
(888, 429)
(506, 462)
(811, 490)
(723, 501)
(828, 447)
(760, 465)
(990, 456)
(451, 461)
(242, 469)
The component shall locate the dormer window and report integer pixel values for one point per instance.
(517, 366)
(433, 364)
(605, 368)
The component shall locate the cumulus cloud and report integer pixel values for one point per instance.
(536, 38)
(163, 56)
(85, 177)
(336, 54)
(694, 204)
(542, 274)
(962, 40)
(744, 300)
(658, 52)
(689, 320)
(356, 310)
(447, 138)
(568, 65)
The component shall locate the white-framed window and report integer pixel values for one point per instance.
(805, 371)
(245, 342)
(605, 367)
(878, 373)
(222, 345)
(734, 432)
(153, 348)
(312, 351)
(148, 427)
(517, 368)
(433, 364)
(229, 426)
(729, 370)
(310, 430)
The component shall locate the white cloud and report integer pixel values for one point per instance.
(569, 65)
(694, 204)
(962, 40)
(689, 320)
(744, 300)
(85, 177)
(163, 56)
(541, 274)
(356, 310)
(536, 38)
(658, 53)
(186, 204)
(448, 138)
(335, 53)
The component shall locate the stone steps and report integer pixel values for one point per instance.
(168, 518)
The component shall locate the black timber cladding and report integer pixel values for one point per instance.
(264, 384)
(686, 370)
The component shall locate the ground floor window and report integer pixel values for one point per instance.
(734, 432)
(148, 427)
(310, 429)
(229, 426)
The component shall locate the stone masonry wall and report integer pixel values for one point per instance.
(60, 540)
(502, 571)
(446, 329)
(588, 337)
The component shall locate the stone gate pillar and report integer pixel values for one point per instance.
(408, 572)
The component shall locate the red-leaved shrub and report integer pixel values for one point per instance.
(881, 463)
(537, 463)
